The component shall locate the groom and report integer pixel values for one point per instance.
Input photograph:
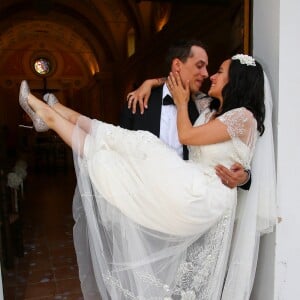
(190, 59)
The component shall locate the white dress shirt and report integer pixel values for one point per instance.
(168, 124)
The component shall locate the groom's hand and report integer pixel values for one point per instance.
(233, 177)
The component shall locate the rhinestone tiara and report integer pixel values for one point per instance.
(245, 59)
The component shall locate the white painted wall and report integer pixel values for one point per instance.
(287, 265)
(266, 50)
(276, 43)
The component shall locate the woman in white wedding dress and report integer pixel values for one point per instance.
(148, 224)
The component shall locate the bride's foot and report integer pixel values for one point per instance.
(50, 99)
(38, 123)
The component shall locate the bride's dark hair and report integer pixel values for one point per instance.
(245, 88)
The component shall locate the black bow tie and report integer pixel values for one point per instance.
(168, 100)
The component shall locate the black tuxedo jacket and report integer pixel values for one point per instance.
(150, 120)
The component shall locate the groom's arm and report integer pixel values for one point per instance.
(236, 176)
(246, 184)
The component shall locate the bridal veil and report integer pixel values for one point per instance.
(256, 212)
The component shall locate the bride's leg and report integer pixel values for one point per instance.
(68, 113)
(126, 142)
(63, 110)
(63, 127)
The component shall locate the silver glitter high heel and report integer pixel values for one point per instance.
(50, 99)
(38, 124)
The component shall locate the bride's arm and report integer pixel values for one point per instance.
(210, 133)
(141, 95)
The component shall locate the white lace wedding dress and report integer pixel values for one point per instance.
(148, 224)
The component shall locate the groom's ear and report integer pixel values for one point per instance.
(176, 65)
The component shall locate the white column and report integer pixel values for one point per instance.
(276, 43)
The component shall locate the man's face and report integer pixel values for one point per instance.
(194, 69)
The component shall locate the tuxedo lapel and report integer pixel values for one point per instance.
(153, 112)
(193, 111)
(193, 115)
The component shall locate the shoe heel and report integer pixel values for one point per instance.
(39, 125)
(25, 126)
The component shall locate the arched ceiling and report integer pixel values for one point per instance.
(93, 33)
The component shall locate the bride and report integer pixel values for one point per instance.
(148, 224)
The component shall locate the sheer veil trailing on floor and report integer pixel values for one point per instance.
(120, 257)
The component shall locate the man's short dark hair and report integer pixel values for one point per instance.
(182, 50)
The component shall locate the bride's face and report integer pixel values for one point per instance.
(219, 80)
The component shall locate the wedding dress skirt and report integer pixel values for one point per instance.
(148, 224)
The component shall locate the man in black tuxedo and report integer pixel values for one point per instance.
(151, 120)
(190, 59)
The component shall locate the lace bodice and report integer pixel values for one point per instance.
(241, 126)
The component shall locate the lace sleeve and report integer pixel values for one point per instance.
(240, 124)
